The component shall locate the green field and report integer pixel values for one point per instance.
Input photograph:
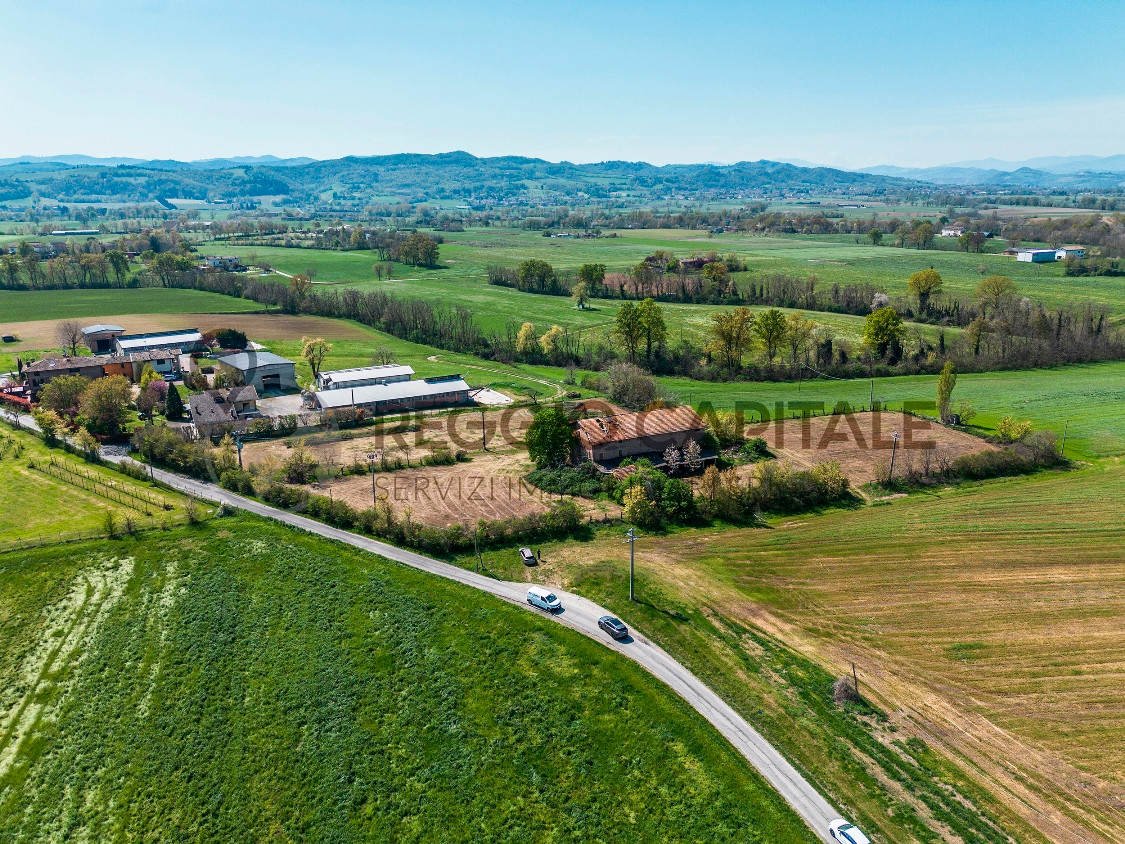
(831, 258)
(982, 618)
(241, 681)
(21, 305)
(494, 307)
(1090, 397)
(39, 506)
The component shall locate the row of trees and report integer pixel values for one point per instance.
(1005, 332)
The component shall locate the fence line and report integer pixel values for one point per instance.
(125, 489)
(40, 540)
(100, 489)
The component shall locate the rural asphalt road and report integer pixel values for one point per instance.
(579, 614)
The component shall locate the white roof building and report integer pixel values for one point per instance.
(1037, 256)
(363, 376)
(398, 396)
(187, 340)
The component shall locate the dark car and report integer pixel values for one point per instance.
(527, 556)
(615, 627)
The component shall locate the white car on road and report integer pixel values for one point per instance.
(847, 833)
(545, 599)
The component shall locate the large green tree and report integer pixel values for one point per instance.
(593, 275)
(651, 318)
(731, 335)
(537, 276)
(119, 263)
(549, 437)
(881, 329)
(992, 292)
(419, 250)
(924, 284)
(174, 404)
(770, 328)
(628, 330)
(104, 402)
(62, 394)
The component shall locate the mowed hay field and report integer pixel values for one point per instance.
(983, 620)
(241, 681)
(987, 618)
(862, 443)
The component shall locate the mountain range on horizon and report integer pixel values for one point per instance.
(1058, 164)
(458, 174)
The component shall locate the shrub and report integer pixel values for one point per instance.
(237, 480)
(630, 386)
(844, 692)
(678, 502)
(755, 449)
(726, 426)
(584, 480)
(1011, 429)
(638, 508)
(262, 426)
(439, 457)
(300, 467)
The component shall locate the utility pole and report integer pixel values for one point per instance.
(1062, 451)
(238, 448)
(894, 448)
(855, 679)
(871, 396)
(632, 539)
(371, 463)
(483, 441)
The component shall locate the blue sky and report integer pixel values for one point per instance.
(845, 84)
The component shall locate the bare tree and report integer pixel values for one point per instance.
(69, 334)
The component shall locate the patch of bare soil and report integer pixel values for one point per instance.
(488, 485)
(41, 334)
(504, 430)
(862, 443)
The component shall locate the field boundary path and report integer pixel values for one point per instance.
(580, 614)
(559, 390)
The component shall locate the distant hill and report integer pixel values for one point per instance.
(1061, 164)
(31, 161)
(1020, 178)
(419, 178)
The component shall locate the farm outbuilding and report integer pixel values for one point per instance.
(1037, 256)
(363, 376)
(607, 440)
(398, 396)
(265, 371)
(101, 339)
(188, 340)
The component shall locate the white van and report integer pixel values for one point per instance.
(537, 596)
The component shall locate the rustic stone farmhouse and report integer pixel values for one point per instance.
(607, 440)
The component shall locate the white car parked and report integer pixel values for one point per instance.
(847, 833)
(537, 596)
